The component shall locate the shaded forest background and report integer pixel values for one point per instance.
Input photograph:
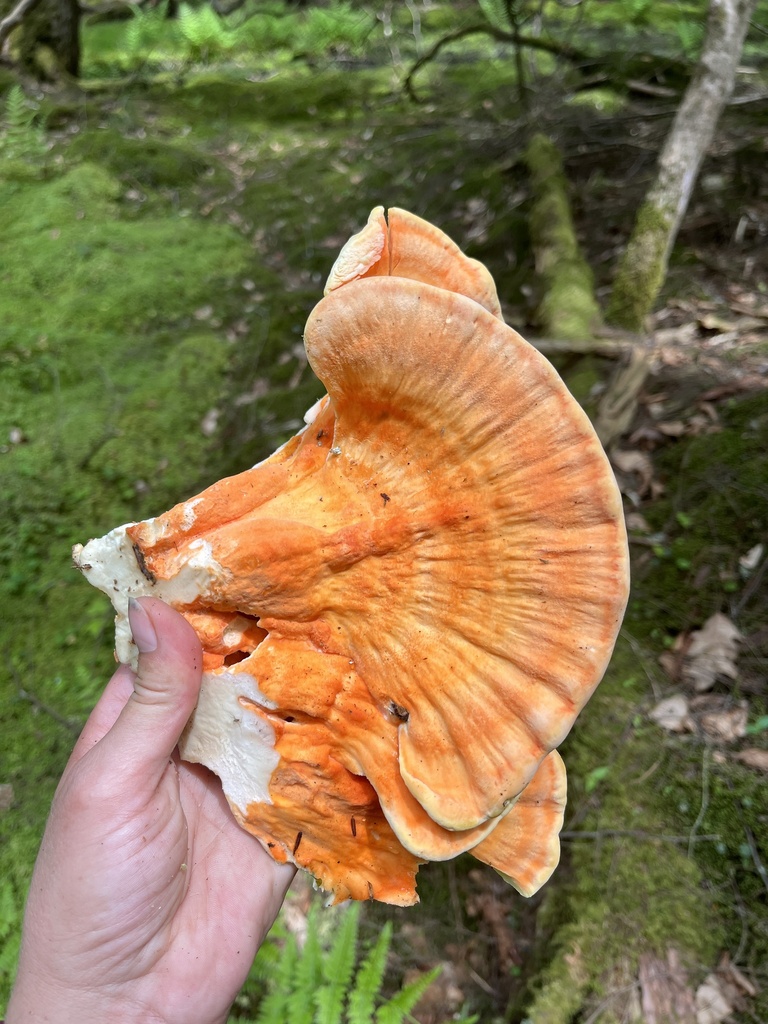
(175, 182)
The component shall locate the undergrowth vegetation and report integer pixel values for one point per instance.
(200, 36)
(164, 231)
(325, 981)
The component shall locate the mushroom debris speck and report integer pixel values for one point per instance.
(386, 681)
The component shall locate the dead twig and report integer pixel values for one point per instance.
(619, 403)
(485, 28)
(704, 800)
(752, 586)
(35, 701)
(42, 706)
(17, 15)
(636, 833)
(759, 866)
(611, 348)
(482, 983)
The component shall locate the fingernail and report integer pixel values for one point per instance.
(144, 635)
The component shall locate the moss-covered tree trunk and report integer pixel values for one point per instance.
(644, 265)
(46, 36)
(568, 308)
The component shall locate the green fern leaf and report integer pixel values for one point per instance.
(17, 112)
(20, 137)
(393, 1011)
(362, 998)
(338, 966)
(307, 975)
(204, 32)
(273, 1009)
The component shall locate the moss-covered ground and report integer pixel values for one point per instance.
(158, 259)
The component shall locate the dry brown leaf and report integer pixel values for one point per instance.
(727, 725)
(699, 424)
(750, 561)
(6, 796)
(753, 757)
(682, 335)
(675, 428)
(672, 356)
(634, 463)
(712, 1006)
(671, 664)
(672, 660)
(730, 972)
(712, 652)
(664, 990)
(712, 322)
(647, 436)
(637, 522)
(673, 714)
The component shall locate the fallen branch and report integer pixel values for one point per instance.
(619, 403)
(515, 38)
(17, 15)
(39, 704)
(611, 348)
(568, 308)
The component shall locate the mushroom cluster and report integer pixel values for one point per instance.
(403, 609)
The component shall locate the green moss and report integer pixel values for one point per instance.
(604, 101)
(108, 375)
(642, 269)
(287, 98)
(69, 257)
(143, 162)
(568, 308)
(714, 510)
(582, 378)
(627, 893)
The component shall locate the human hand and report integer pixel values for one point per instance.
(148, 902)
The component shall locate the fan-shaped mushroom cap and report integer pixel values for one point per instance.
(403, 245)
(410, 601)
(525, 847)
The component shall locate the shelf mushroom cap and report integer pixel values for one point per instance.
(404, 609)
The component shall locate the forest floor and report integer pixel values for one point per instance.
(159, 254)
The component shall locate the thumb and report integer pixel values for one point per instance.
(165, 690)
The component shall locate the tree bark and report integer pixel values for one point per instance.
(644, 265)
(16, 16)
(568, 308)
(47, 43)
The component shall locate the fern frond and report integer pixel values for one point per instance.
(146, 29)
(362, 998)
(307, 975)
(393, 1011)
(20, 137)
(338, 966)
(274, 1008)
(204, 31)
(325, 28)
(17, 111)
(496, 12)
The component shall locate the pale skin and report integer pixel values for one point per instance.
(148, 902)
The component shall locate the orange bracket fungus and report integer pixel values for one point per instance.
(404, 609)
